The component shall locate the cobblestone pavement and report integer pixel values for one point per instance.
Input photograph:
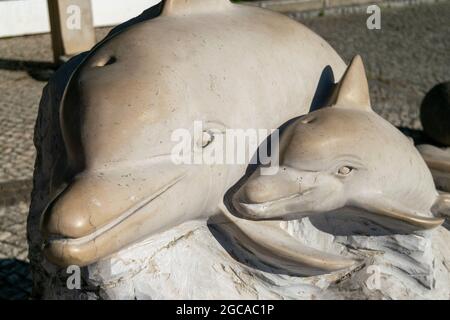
(15, 278)
(407, 57)
(404, 60)
(24, 68)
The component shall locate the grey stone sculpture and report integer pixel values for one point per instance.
(107, 195)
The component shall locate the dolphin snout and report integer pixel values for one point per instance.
(263, 189)
(86, 205)
(290, 194)
(86, 222)
(67, 217)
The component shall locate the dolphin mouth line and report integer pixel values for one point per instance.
(54, 239)
(275, 201)
(258, 210)
(260, 207)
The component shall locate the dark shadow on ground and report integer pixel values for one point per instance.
(38, 70)
(15, 280)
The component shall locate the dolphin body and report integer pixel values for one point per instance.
(230, 66)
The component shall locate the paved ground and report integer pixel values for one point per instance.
(408, 56)
(405, 59)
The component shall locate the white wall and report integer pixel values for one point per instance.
(23, 17)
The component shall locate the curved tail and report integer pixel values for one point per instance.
(276, 248)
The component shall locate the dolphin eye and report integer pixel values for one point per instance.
(207, 139)
(344, 171)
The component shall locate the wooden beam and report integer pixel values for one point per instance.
(72, 27)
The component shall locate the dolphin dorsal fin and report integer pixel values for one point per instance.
(184, 7)
(352, 92)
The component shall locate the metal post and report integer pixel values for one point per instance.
(71, 26)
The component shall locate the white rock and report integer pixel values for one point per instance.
(188, 262)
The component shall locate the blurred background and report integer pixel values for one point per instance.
(405, 55)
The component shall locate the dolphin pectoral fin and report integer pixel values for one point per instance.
(438, 165)
(442, 205)
(275, 247)
(144, 222)
(388, 209)
(436, 158)
(438, 161)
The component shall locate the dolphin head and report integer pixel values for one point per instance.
(344, 155)
(120, 183)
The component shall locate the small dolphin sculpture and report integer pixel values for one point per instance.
(345, 155)
(229, 66)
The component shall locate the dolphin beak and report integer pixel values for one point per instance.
(84, 223)
(438, 165)
(281, 197)
(397, 212)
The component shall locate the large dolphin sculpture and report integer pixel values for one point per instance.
(229, 66)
